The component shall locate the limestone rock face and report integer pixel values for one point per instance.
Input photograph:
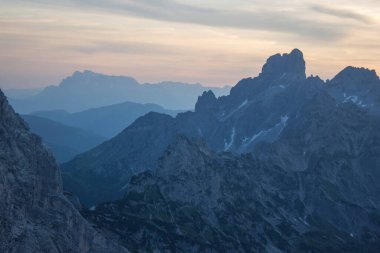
(285, 66)
(35, 216)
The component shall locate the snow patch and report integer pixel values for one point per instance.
(93, 208)
(284, 119)
(354, 99)
(228, 145)
(124, 187)
(280, 126)
(243, 104)
(200, 133)
(305, 222)
(282, 86)
(248, 141)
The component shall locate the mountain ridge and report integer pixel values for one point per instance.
(87, 89)
(257, 110)
(106, 121)
(64, 141)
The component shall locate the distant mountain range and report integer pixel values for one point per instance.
(21, 93)
(285, 163)
(64, 141)
(86, 90)
(106, 121)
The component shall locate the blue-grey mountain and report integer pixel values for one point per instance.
(64, 141)
(285, 163)
(21, 93)
(86, 90)
(106, 121)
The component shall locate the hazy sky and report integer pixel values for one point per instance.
(214, 42)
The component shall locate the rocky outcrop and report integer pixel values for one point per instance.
(359, 86)
(207, 102)
(287, 66)
(35, 216)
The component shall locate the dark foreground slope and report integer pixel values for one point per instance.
(35, 216)
(258, 110)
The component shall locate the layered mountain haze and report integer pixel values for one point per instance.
(35, 216)
(64, 141)
(21, 93)
(106, 121)
(87, 90)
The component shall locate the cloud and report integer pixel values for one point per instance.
(274, 20)
(122, 47)
(341, 13)
(259, 19)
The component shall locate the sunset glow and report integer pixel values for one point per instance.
(211, 42)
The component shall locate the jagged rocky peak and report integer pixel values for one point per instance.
(84, 73)
(286, 66)
(90, 77)
(80, 75)
(206, 102)
(358, 85)
(355, 74)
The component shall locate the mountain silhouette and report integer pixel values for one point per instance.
(106, 121)
(87, 90)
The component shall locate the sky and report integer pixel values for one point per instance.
(212, 42)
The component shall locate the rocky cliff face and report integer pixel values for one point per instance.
(286, 66)
(258, 110)
(35, 216)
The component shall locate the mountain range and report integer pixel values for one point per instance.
(257, 110)
(87, 90)
(105, 121)
(21, 93)
(64, 141)
(285, 163)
